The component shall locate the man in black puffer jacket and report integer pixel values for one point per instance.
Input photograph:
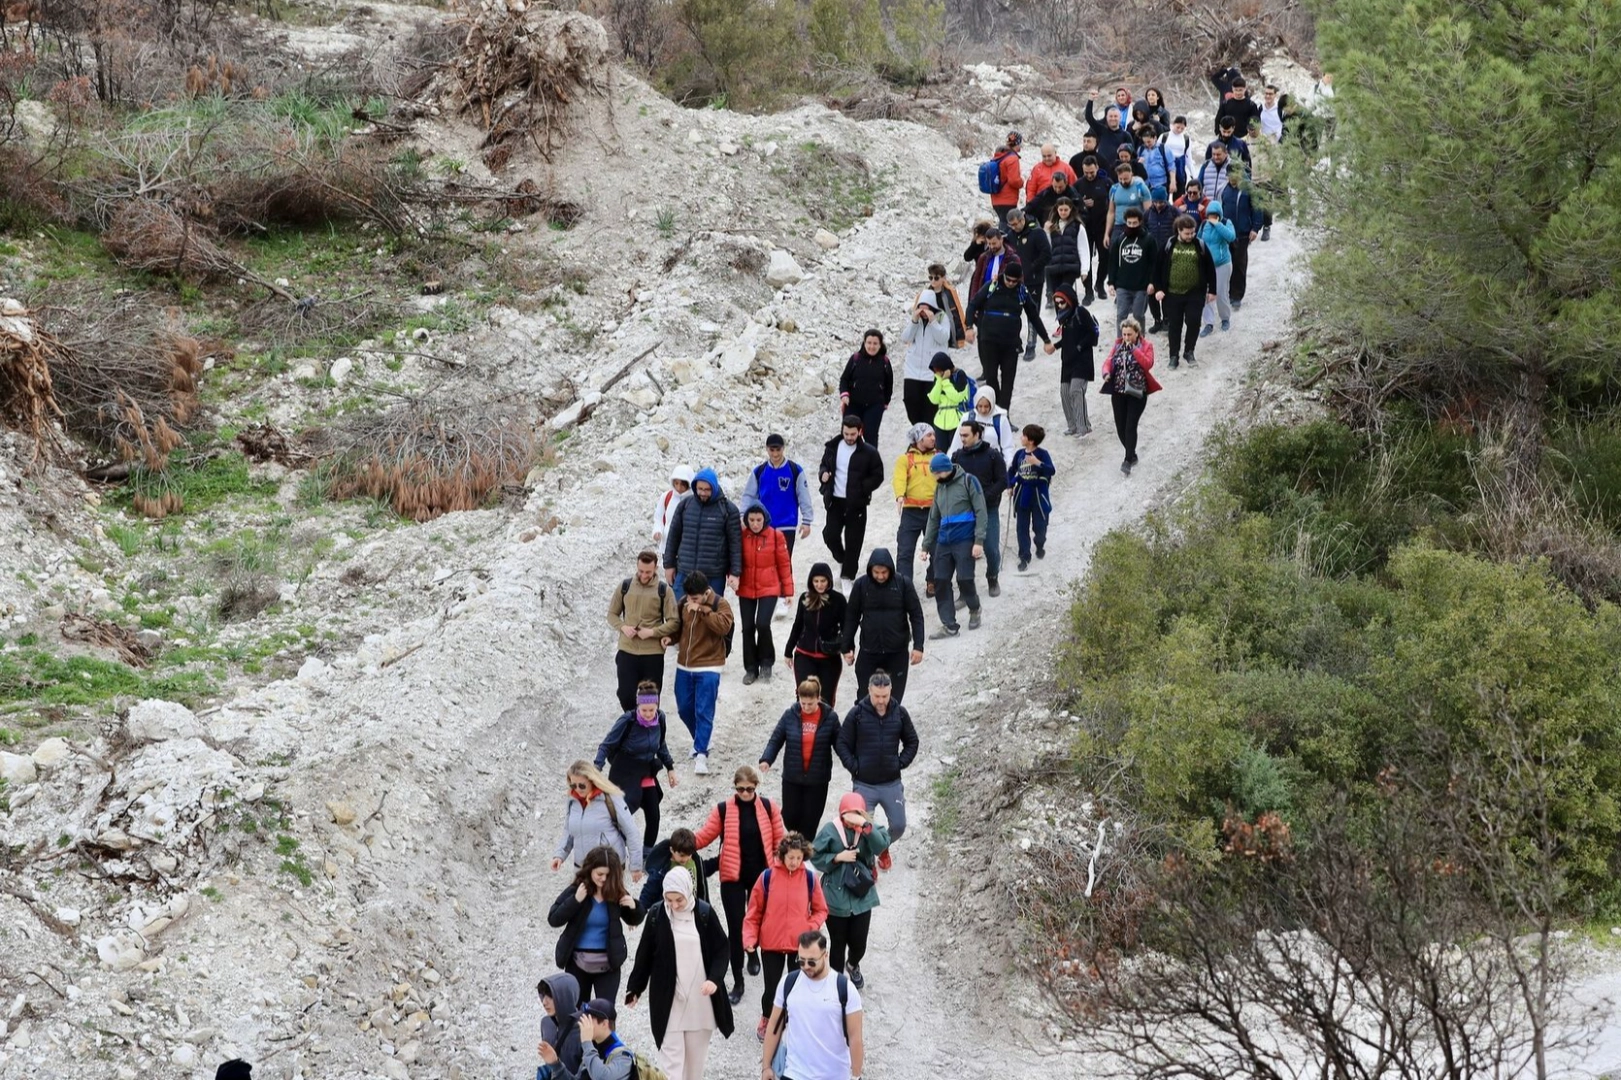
(993, 322)
(876, 742)
(884, 607)
(1029, 239)
(705, 535)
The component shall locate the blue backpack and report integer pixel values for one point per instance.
(990, 176)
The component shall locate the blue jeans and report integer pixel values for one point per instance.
(1026, 517)
(695, 694)
(716, 583)
(993, 540)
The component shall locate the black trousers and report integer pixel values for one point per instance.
(788, 537)
(603, 984)
(1128, 411)
(802, 807)
(915, 396)
(1155, 312)
(774, 962)
(754, 615)
(847, 938)
(1182, 314)
(1241, 267)
(999, 358)
(827, 669)
(872, 418)
(647, 800)
(844, 533)
(1098, 269)
(893, 664)
(632, 669)
(734, 900)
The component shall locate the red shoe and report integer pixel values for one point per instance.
(759, 1030)
(885, 862)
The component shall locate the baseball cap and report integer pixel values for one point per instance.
(775, 440)
(598, 1009)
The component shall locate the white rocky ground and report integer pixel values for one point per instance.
(398, 930)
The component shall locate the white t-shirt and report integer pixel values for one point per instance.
(815, 1032)
(841, 468)
(1272, 123)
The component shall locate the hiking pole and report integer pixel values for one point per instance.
(1007, 527)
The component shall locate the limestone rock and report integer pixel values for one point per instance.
(17, 769)
(826, 240)
(782, 270)
(156, 721)
(342, 812)
(51, 752)
(341, 369)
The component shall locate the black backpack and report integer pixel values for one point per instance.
(624, 590)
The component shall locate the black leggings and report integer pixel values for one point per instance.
(734, 900)
(647, 800)
(1128, 411)
(915, 395)
(755, 617)
(603, 984)
(774, 963)
(802, 807)
(827, 669)
(847, 932)
(1099, 268)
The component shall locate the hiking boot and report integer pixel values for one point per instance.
(992, 587)
(1173, 363)
(1024, 564)
(945, 632)
(1041, 552)
(1156, 328)
(928, 590)
(754, 963)
(1086, 301)
(736, 995)
(1226, 324)
(853, 973)
(1266, 233)
(1209, 328)
(973, 619)
(749, 677)
(700, 764)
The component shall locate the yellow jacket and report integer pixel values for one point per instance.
(951, 399)
(914, 483)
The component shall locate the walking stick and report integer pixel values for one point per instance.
(1006, 528)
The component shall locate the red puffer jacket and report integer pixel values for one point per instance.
(767, 568)
(731, 842)
(779, 914)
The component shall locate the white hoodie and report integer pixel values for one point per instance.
(999, 429)
(666, 503)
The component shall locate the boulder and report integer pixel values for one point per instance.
(51, 752)
(156, 721)
(825, 240)
(782, 270)
(17, 769)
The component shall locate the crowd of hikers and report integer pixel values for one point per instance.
(769, 890)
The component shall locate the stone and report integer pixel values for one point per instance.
(825, 240)
(150, 640)
(409, 1052)
(184, 1056)
(728, 148)
(153, 720)
(395, 1069)
(341, 369)
(51, 752)
(311, 670)
(783, 270)
(17, 769)
(342, 813)
(787, 325)
(70, 916)
(695, 136)
(21, 1039)
(304, 371)
(113, 953)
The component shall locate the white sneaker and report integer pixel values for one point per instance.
(700, 764)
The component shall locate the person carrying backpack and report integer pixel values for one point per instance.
(597, 814)
(603, 1056)
(642, 611)
(1184, 282)
(780, 486)
(785, 902)
(815, 1031)
(993, 322)
(635, 749)
(749, 828)
(1001, 177)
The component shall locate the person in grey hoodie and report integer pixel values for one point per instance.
(597, 814)
(928, 332)
(560, 998)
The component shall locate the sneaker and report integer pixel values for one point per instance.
(1125, 468)
(1189, 360)
(1266, 233)
(754, 963)
(736, 995)
(1041, 552)
(1069, 431)
(973, 619)
(1173, 363)
(700, 764)
(1226, 324)
(992, 587)
(759, 1030)
(886, 861)
(1237, 304)
(1029, 354)
(749, 677)
(1208, 330)
(945, 632)
(853, 973)
(1024, 564)
(1156, 328)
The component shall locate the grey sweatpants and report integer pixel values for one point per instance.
(1073, 396)
(892, 797)
(1224, 280)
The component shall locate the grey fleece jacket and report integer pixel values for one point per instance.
(585, 828)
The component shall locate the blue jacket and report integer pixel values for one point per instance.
(637, 752)
(784, 492)
(1158, 163)
(1239, 210)
(1217, 235)
(1032, 479)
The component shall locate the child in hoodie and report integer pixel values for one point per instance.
(951, 393)
(1032, 486)
(603, 1056)
(559, 998)
(1218, 236)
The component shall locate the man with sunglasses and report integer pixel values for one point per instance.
(819, 1013)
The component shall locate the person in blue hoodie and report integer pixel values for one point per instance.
(1217, 234)
(779, 485)
(559, 999)
(705, 536)
(635, 749)
(1032, 492)
(1159, 164)
(1239, 209)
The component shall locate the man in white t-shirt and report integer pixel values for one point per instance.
(824, 1040)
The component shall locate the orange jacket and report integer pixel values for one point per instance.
(1012, 179)
(774, 923)
(767, 569)
(731, 843)
(1041, 177)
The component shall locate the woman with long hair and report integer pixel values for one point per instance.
(785, 902)
(1071, 254)
(849, 840)
(593, 911)
(813, 643)
(681, 965)
(805, 733)
(1159, 113)
(1128, 379)
(597, 815)
(635, 749)
(867, 384)
(749, 829)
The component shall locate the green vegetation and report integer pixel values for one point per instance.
(837, 188)
(36, 678)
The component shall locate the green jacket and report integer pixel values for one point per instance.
(829, 842)
(957, 499)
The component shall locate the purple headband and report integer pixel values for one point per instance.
(647, 699)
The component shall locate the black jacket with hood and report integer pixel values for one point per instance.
(561, 1029)
(996, 308)
(883, 613)
(1134, 258)
(876, 748)
(869, 380)
(657, 864)
(1034, 250)
(986, 464)
(866, 471)
(1077, 338)
(1096, 189)
(787, 740)
(705, 535)
(571, 915)
(818, 631)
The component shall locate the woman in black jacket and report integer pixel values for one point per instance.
(635, 750)
(681, 963)
(1077, 337)
(813, 643)
(868, 383)
(806, 771)
(1071, 256)
(593, 912)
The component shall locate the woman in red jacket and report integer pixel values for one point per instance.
(768, 576)
(749, 828)
(1127, 378)
(786, 902)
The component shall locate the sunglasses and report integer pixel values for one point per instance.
(742, 790)
(579, 787)
(805, 961)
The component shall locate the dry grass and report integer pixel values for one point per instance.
(27, 394)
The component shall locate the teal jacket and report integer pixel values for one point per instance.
(829, 842)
